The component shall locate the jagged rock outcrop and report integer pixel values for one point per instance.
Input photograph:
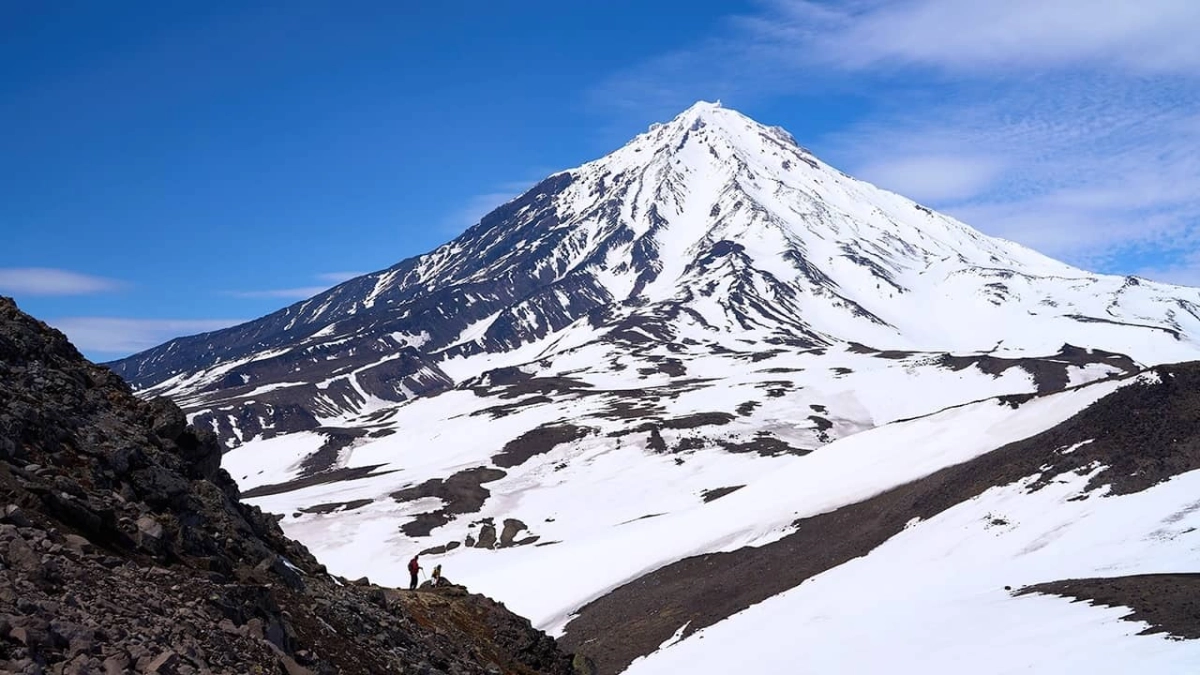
(124, 548)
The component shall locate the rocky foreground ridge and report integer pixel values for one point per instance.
(124, 549)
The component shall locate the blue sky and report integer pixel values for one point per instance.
(171, 168)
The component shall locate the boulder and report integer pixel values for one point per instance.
(150, 533)
(78, 544)
(292, 668)
(115, 665)
(14, 515)
(166, 663)
(582, 665)
(22, 557)
(487, 537)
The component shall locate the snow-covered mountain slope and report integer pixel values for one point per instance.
(898, 541)
(708, 234)
(662, 395)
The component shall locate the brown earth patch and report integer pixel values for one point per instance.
(536, 385)
(448, 546)
(666, 366)
(763, 356)
(336, 440)
(506, 409)
(512, 527)
(689, 444)
(334, 476)
(703, 419)
(1049, 373)
(337, 506)
(765, 445)
(462, 492)
(538, 441)
(716, 493)
(1170, 603)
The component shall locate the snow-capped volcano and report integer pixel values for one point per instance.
(710, 231)
(657, 392)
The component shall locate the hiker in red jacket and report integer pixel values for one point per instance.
(413, 568)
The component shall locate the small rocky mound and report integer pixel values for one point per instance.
(124, 548)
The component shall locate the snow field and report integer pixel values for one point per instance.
(933, 597)
(594, 507)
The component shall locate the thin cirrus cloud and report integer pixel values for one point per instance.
(1089, 179)
(1071, 126)
(299, 292)
(114, 336)
(473, 208)
(1184, 271)
(48, 281)
(338, 277)
(1151, 36)
(927, 177)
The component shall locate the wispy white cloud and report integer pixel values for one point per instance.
(1086, 178)
(113, 337)
(299, 292)
(339, 277)
(1071, 126)
(932, 177)
(1184, 270)
(473, 208)
(28, 281)
(1149, 36)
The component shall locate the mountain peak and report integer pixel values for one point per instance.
(701, 114)
(703, 108)
(713, 228)
(722, 137)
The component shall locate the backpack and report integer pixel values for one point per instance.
(413, 566)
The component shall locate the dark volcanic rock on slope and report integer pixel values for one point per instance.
(1170, 603)
(400, 299)
(124, 548)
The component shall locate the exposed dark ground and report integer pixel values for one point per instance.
(462, 493)
(330, 476)
(1170, 603)
(538, 441)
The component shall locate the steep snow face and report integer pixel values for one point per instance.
(716, 220)
(733, 223)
